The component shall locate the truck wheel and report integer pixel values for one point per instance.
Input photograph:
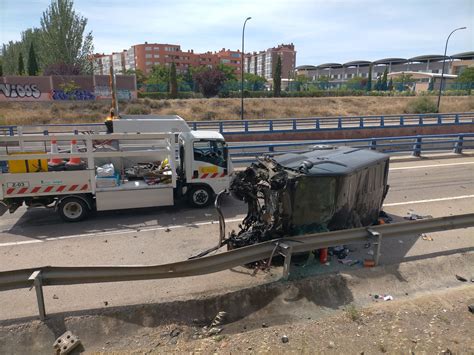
(200, 196)
(73, 209)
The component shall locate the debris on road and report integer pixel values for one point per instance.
(426, 237)
(175, 332)
(412, 216)
(471, 308)
(460, 278)
(66, 343)
(284, 339)
(379, 297)
(55, 297)
(219, 319)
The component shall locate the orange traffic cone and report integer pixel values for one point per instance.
(55, 163)
(74, 163)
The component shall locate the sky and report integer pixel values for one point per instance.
(322, 30)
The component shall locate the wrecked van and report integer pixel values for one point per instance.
(326, 189)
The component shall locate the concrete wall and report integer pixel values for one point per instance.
(52, 88)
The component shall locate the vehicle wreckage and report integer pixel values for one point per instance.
(326, 189)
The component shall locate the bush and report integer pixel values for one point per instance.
(137, 109)
(165, 95)
(422, 104)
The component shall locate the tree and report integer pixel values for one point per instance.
(21, 64)
(254, 82)
(378, 84)
(140, 77)
(277, 78)
(384, 80)
(228, 71)
(369, 79)
(357, 83)
(160, 74)
(1, 66)
(63, 39)
(32, 61)
(173, 82)
(61, 68)
(466, 76)
(209, 81)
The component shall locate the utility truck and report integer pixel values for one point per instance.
(143, 161)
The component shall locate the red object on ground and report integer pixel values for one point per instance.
(323, 255)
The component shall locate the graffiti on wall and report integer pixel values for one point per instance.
(20, 91)
(105, 92)
(73, 95)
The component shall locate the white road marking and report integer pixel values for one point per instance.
(431, 166)
(150, 229)
(427, 201)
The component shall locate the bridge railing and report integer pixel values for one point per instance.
(416, 145)
(280, 125)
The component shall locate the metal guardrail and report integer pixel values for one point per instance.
(53, 275)
(414, 144)
(281, 125)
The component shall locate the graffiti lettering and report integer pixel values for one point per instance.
(74, 95)
(17, 90)
(104, 92)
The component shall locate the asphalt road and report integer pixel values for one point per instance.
(436, 187)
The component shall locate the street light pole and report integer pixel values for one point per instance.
(442, 70)
(242, 73)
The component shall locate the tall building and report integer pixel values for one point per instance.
(145, 56)
(263, 63)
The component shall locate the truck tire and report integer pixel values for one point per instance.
(200, 196)
(73, 209)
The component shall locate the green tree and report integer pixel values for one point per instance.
(254, 82)
(378, 84)
(1, 66)
(277, 78)
(384, 80)
(140, 77)
(173, 82)
(466, 76)
(63, 39)
(369, 79)
(21, 64)
(228, 71)
(357, 83)
(32, 61)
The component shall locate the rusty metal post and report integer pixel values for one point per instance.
(377, 243)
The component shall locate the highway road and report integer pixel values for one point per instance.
(436, 187)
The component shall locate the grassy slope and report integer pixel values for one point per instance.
(220, 109)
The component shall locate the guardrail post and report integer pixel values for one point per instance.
(361, 122)
(458, 145)
(270, 125)
(456, 119)
(45, 132)
(38, 284)
(294, 125)
(339, 122)
(402, 120)
(318, 124)
(221, 127)
(373, 144)
(12, 132)
(377, 244)
(417, 147)
(271, 149)
(440, 119)
(420, 120)
(285, 250)
(382, 121)
(246, 126)
(194, 126)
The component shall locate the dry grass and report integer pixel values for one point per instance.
(220, 109)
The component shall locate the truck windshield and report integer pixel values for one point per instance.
(211, 152)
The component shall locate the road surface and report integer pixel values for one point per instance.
(156, 236)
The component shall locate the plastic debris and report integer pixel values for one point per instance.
(427, 237)
(369, 263)
(388, 298)
(383, 297)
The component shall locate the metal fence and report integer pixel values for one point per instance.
(53, 275)
(280, 125)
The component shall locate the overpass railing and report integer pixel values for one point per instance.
(280, 125)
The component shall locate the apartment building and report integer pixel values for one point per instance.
(340, 73)
(263, 63)
(145, 56)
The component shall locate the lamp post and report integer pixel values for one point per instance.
(242, 73)
(442, 70)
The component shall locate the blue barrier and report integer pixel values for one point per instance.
(286, 125)
(414, 144)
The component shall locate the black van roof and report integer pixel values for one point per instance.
(331, 160)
